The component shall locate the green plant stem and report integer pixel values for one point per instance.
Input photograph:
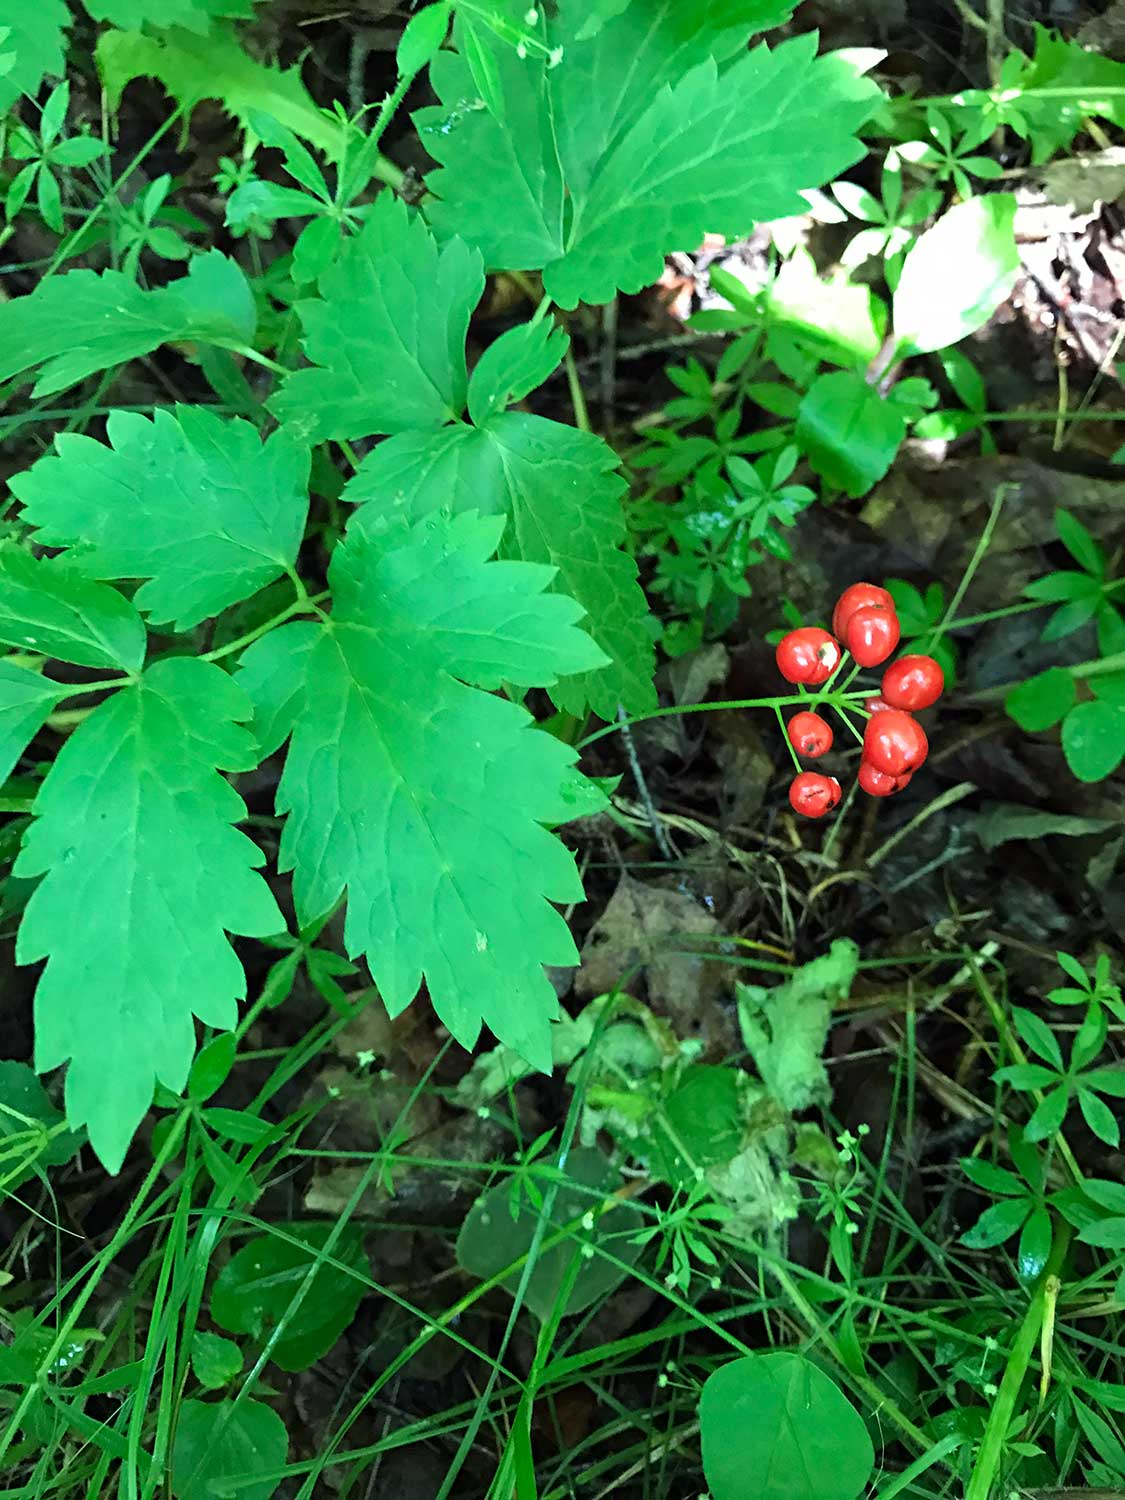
(991, 1451)
(811, 701)
(983, 544)
(387, 111)
(1100, 666)
(306, 604)
(577, 398)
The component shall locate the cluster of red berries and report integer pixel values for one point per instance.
(894, 744)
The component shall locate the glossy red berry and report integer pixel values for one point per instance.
(872, 634)
(876, 704)
(812, 794)
(858, 596)
(809, 734)
(877, 783)
(894, 742)
(808, 655)
(913, 682)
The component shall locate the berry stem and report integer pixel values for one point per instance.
(844, 716)
(785, 736)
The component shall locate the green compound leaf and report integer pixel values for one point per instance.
(568, 178)
(196, 15)
(849, 432)
(196, 504)
(420, 795)
(1042, 700)
(25, 701)
(257, 1290)
(776, 1427)
(192, 68)
(1093, 739)
(389, 334)
(143, 877)
(50, 607)
(563, 493)
(32, 36)
(81, 322)
(223, 1449)
(957, 274)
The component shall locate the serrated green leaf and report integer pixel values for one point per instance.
(196, 15)
(443, 854)
(26, 699)
(956, 274)
(849, 432)
(257, 1288)
(33, 36)
(224, 1449)
(48, 606)
(143, 877)
(80, 322)
(214, 66)
(1093, 739)
(389, 335)
(517, 362)
(1042, 700)
(569, 181)
(563, 493)
(196, 504)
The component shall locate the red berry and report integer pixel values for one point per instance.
(809, 734)
(894, 743)
(808, 655)
(877, 783)
(876, 704)
(858, 596)
(872, 634)
(812, 794)
(913, 682)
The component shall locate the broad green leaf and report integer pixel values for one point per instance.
(424, 34)
(700, 1124)
(956, 274)
(212, 1066)
(563, 493)
(1082, 83)
(196, 15)
(30, 1133)
(48, 606)
(215, 1361)
(389, 334)
(775, 1426)
(785, 1027)
(1042, 700)
(997, 1223)
(1035, 1245)
(567, 178)
(1005, 822)
(80, 322)
(196, 504)
(143, 877)
(26, 699)
(517, 362)
(848, 431)
(1038, 1035)
(192, 68)
(257, 1290)
(222, 1449)
(1093, 739)
(844, 318)
(32, 34)
(492, 1238)
(417, 793)
(988, 1175)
